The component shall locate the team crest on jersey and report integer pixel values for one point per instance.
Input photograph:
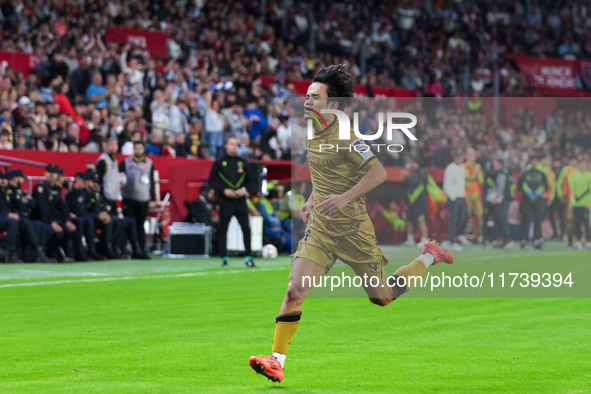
(80, 199)
(362, 149)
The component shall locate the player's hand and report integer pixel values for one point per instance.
(240, 192)
(14, 216)
(549, 202)
(56, 227)
(305, 210)
(70, 226)
(229, 193)
(152, 204)
(332, 203)
(105, 217)
(72, 215)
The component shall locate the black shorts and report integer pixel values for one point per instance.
(416, 211)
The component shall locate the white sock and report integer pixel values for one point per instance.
(410, 238)
(281, 358)
(423, 239)
(427, 258)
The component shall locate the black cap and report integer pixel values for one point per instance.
(80, 175)
(52, 168)
(91, 176)
(14, 173)
(2, 175)
(60, 171)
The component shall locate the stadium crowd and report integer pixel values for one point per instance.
(84, 91)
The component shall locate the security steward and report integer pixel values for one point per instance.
(139, 194)
(107, 169)
(123, 229)
(8, 223)
(229, 177)
(51, 209)
(533, 183)
(18, 204)
(76, 200)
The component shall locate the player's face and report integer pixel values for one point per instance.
(471, 157)
(78, 183)
(316, 99)
(582, 165)
(547, 161)
(3, 182)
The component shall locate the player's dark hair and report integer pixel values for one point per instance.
(339, 84)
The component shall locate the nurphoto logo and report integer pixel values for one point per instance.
(345, 127)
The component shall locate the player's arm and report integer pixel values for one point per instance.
(375, 175)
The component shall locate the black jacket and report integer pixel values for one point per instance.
(50, 205)
(229, 172)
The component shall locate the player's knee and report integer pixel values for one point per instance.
(381, 301)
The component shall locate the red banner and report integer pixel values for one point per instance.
(301, 87)
(23, 62)
(554, 76)
(153, 42)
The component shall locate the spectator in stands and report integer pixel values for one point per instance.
(96, 92)
(128, 148)
(454, 186)
(136, 75)
(256, 120)
(4, 142)
(235, 119)
(153, 147)
(178, 117)
(80, 79)
(214, 125)
(180, 147)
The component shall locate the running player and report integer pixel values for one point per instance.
(337, 223)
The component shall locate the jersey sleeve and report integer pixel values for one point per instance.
(360, 154)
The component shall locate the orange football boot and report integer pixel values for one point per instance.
(267, 366)
(440, 254)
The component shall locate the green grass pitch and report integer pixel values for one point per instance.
(186, 326)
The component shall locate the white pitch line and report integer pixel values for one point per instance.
(116, 278)
(66, 273)
(514, 255)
